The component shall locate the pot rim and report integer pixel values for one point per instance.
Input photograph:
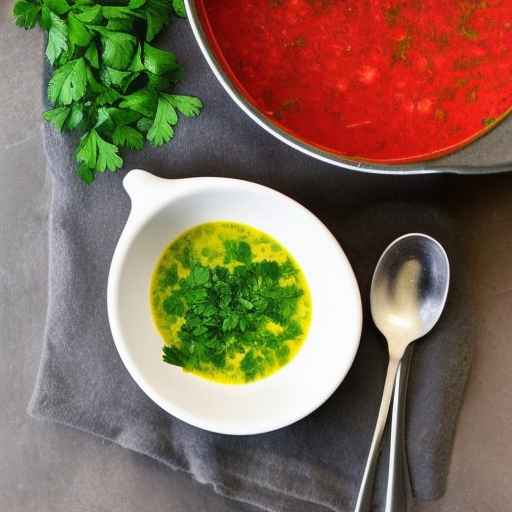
(310, 149)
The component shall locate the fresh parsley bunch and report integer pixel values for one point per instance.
(108, 81)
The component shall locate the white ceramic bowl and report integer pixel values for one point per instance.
(162, 210)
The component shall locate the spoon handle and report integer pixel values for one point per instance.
(399, 492)
(365, 496)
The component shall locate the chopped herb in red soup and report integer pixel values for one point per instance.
(378, 80)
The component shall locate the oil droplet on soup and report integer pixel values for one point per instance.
(230, 302)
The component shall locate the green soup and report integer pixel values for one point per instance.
(230, 302)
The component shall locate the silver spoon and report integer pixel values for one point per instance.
(408, 294)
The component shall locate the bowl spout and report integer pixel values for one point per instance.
(148, 192)
(138, 182)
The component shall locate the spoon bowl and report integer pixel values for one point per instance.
(409, 289)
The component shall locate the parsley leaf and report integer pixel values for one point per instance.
(57, 116)
(89, 14)
(251, 365)
(85, 173)
(137, 64)
(166, 117)
(57, 6)
(159, 62)
(199, 276)
(69, 83)
(158, 15)
(189, 106)
(57, 36)
(118, 47)
(78, 33)
(118, 79)
(91, 54)
(120, 24)
(179, 8)
(97, 153)
(144, 101)
(117, 12)
(135, 4)
(173, 355)
(123, 117)
(237, 251)
(159, 83)
(26, 13)
(128, 137)
(75, 117)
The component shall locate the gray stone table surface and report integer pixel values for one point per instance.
(46, 467)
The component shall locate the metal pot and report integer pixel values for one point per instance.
(331, 157)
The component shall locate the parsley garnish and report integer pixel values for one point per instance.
(224, 311)
(108, 81)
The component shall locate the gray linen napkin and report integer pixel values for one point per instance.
(316, 464)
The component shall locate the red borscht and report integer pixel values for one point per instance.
(376, 80)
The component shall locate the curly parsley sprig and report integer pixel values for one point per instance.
(108, 81)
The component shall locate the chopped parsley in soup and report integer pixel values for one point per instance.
(230, 302)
